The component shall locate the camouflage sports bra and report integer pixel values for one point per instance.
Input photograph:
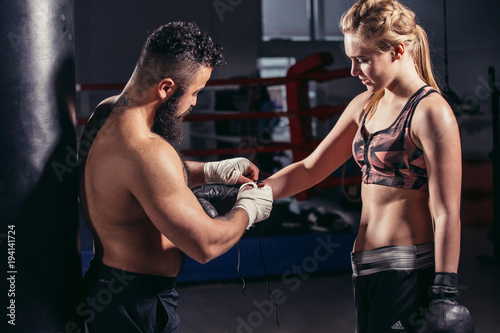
(389, 157)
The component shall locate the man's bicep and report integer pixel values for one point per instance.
(176, 213)
(196, 174)
(167, 201)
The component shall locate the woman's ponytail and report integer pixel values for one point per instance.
(422, 58)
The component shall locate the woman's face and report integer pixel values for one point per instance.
(375, 70)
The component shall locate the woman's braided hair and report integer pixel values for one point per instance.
(383, 24)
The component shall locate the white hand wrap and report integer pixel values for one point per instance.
(226, 171)
(257, 202)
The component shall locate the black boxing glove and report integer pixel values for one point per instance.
(208, 208)
(444, 313)
(216, 199)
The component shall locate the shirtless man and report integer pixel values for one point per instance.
(135, 189)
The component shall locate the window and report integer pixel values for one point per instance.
(332, 12)
(303, 20)
(275, 67)
(285, 19)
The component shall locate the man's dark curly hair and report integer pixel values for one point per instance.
(176, 50)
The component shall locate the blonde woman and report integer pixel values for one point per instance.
(405, 138)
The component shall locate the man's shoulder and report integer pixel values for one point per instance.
(151, 149)
(108, 103)
(153, 164)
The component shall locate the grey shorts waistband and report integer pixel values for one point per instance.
(386, 258)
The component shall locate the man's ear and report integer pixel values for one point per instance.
(166, 88)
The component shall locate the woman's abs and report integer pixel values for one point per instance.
(393, 216)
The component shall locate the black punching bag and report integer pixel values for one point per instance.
(40, 256)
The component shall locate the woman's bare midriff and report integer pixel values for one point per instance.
(393, 217)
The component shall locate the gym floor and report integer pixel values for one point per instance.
(323, 302)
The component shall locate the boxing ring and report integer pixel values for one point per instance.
(283, 251)
(299, 112)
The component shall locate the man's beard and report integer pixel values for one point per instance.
(166, 124)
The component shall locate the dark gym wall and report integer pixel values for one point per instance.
(110, 34)
(473, 46)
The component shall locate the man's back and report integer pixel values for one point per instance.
(124, 236)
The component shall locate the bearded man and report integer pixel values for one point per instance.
(135, 188)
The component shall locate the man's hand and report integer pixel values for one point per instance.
(230, 172)
(257, 202)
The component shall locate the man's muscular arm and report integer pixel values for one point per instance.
(157, 182)
(195, 171)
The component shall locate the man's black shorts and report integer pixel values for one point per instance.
(121, 301)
